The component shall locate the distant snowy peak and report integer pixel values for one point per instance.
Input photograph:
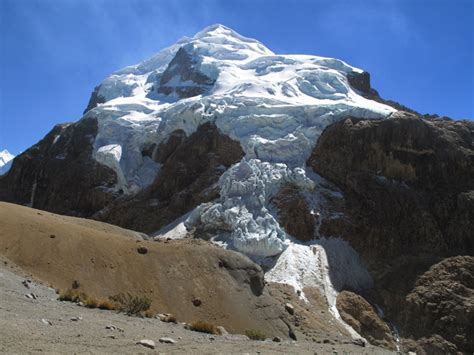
(6, 159)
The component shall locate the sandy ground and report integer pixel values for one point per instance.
(53, 251)
(22, 329)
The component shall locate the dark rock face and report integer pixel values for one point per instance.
(244, 271)
(183, 69)
(58, 173)
(409, 202)
(294, 214)
(361, 82)
(363, 318)
(191, 168)
(95, 99)
(443, 302)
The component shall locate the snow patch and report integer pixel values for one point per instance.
(110, 155)
(326, 264)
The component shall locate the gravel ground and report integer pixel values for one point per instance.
(46, 325)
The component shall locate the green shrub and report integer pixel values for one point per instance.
(255, 334)
(203, 327)
(130, 304)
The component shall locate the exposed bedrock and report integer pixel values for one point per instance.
(409, 203)
(294, 214)
(188, 177)
(95, 99)
(58, 173)
(183, 78)
(363, 318)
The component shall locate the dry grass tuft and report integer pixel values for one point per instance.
(131, 305)
(106, 304)
(204, 327)
(150, 314)
(255, 334)
(71, 295)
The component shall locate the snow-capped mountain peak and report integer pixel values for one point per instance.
(6, 159)
(275, 106)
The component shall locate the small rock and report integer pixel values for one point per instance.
(411, 353)
(211, 338)
(45, 321)
(110, 327)
(179, 338)
(167, 340)
(75, 284)
(142, 250)
(110, 336)
(25, 283)
(197, 302)
(289, 308)
(76, 319)
(277, 339)
(222, 330)
(291, 334)
(147, 343)
(359, 342)
(31, 296)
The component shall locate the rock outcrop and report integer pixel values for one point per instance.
(294, 214)
(442, 302)
(409, 203)
(191, 167)
(363, 318)
(58, 173)
(183, 78)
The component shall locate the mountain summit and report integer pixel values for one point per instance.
(293, 160)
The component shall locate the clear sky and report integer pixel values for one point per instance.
(53, 52)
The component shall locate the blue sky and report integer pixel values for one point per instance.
(53, 52)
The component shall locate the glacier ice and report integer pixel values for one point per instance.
(276, 106)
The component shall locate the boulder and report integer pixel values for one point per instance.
(147, 343)
(363, 318)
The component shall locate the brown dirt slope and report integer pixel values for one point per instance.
(104, 260)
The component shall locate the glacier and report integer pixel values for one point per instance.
(276, 106)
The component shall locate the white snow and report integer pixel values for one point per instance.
(6, 159)
(321, 264)
(276, 106)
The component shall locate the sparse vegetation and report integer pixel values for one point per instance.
(130, 304)
(255, 334)
(150, 314)
(204, 327)
(171, 318)
(76, 296)
(168, 317)
(72, 296)
(90, 302)
(106, 304)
